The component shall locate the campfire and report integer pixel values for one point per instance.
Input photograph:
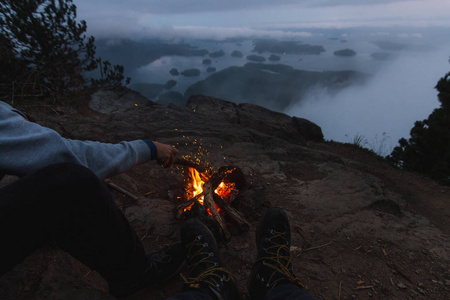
(212, 195)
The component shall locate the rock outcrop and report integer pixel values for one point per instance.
(249, 117)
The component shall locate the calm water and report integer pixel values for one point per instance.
(158, 71)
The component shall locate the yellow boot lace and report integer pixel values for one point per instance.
(212, 275)
(281, 264)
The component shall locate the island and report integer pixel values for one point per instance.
(237, 54)
(345, 52)
(274, 86)
(174, 72)
(256, 58)
(216, 54)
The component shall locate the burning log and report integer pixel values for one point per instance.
(216, 178)
(188, 203)
(207, 193)
(209, 203)
(234, 214)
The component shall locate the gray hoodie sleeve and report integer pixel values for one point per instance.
(26, 147)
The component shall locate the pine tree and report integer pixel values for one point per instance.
(428, 149)
(49, 42)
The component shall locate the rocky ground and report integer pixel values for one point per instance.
(360, 228)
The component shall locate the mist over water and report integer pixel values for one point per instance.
(403, 64)
(385, 108)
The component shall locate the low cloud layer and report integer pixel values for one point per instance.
(146, 18)
(167, 7)
(384, 109)
(177, 33)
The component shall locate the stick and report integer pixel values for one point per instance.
(363, 287)
(87, 274)
(317, 247)
(188, 203)
(399, 271)
(57, 113)
(146, 232)
(300, 232)
(209, 203)
(235, 215)
(118, 188)
(64, 129)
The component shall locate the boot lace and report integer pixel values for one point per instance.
(213, 275)
(278, 259)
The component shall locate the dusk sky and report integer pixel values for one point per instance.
(220, 19)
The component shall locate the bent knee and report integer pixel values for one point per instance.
(68, 174)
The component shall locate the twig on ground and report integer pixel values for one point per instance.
(146, 232)
(64, 129)
(399, 271)
(299, 230)
(119, 189)
(87, 274)
(56, 112)
(363, 287)
(314, 248)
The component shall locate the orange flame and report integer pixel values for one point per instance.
(195, 182)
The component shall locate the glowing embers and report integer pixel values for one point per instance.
(210, 196)
(227, 191)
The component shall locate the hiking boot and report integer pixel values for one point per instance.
(273, 266)
(206, 270)
(162, 265)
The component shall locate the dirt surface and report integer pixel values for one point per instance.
(361, 229)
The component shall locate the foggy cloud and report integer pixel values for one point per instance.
(140, 18)
(394, 98)
(183, 6)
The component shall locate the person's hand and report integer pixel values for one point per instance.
(165, 154)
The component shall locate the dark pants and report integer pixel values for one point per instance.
(282, 292)
(68, 206)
